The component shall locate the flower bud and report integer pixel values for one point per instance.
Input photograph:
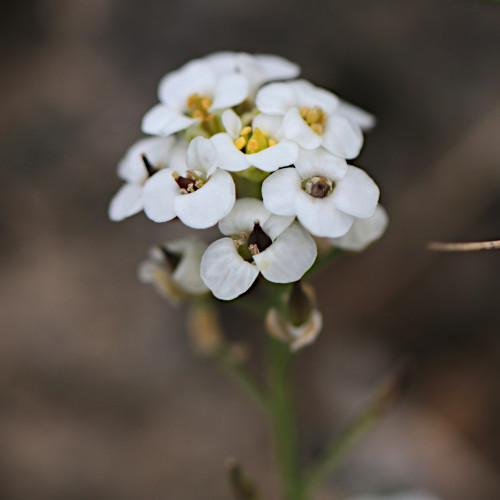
(301, 322)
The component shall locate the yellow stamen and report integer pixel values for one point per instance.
(304, 111)
(317, 127)
(272, 142)
(252, 146)
(205, 102)
(246, 130)
(240, 143)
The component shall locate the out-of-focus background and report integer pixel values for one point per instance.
(101, 395)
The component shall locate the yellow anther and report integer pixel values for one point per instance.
(252, 146)
(245, 130)
(304, 111)
(191, 101)
(240, 143)
(272, 142)
(312, 116)
(205, 102)
(197, 114)
(265, 134)
(317, 127)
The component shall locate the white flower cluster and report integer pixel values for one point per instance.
(230, 120)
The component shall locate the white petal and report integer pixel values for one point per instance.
(363, 232)
(272, 124)
(319, 161)
(307, 334)
(159, 195)
(230, 90)
(320, 217)
(232, 123)
(311, 96)
(359, 116)
(277, 68)
(126, 202)
(356, 193)
(187, 273)
(225, 272)
(222, 62)
(195, 77)
(279, 191)
(274, 157)
(157, 149)
(342, 137)
(209, 204)
(275, 98)
(296, 129)
(242, 217)
(201, 156)
(289, 257)
(276, 224)
(164, 121)
(229, 157)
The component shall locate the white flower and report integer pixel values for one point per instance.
(141, 161)
(314, 117)
(174, 269)
(260, 242)
(261, 145)
(258, 68)
(199, 193)
(296, 336)
(189, 96)
(299, 323)
(325, 193)
(363, 232)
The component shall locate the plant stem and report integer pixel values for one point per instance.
(283, 417)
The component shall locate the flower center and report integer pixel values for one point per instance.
(190, 183)
(172, 258)
(150, 168)
(314, 117)
(249, 245)
(252, 142)
(319, 187)
(198, 107)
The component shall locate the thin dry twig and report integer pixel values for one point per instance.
(472, 246)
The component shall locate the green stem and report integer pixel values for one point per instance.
(283, 417)
(354, 432)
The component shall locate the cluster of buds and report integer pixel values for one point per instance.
(236, 140)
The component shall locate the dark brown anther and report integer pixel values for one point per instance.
(320, 188)
(259, 238)
(151, 169)
(172, 258)
(186, 183)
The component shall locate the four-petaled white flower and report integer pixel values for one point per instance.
(141, 161)
(314, 117)
(174, 269)
(190, 95)
(325, 193)
(257, 242)
(363, 232)
(199, 193)
(260, 145)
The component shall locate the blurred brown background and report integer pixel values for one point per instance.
(101, 396)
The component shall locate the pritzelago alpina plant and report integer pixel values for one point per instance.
(239, 143)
